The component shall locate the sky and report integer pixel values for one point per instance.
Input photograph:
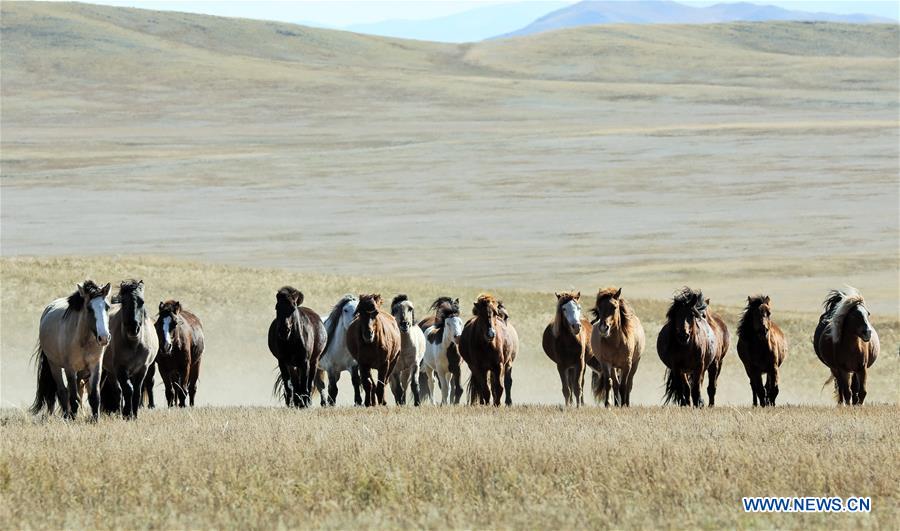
(340, 14)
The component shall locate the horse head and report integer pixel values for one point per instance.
(606, 311)
(287, 301)
(91, 296)
(486, 310)
(166, 323)
(404, 312)
(131, 296)
(759, 315)
(687, 312)
(367, 313)
(568, 312)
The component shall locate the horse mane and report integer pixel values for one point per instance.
(686, 299)
(753, 304)
(334, 317)
(129, 286)
(290, 293)
(837, 306)
(76, 302)
(440, 301)
(561, 300)
(484, 299)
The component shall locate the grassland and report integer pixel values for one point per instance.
(743, 157)
(525, 467)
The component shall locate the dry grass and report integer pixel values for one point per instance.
(526, 467)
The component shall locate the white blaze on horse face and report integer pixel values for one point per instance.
(864, 312)
(349, 312)
(101, 315)
(572, 313)
(453, 328)
(167, 324)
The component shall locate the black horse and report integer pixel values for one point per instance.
(296, 338)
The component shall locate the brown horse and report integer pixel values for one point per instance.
(181, 344)
(296, 339)
(489, 345)
(692, 340)
(374, 342)
(846, 343)
(762, 347)
(444, 306)
(617, 340)
(567, 342)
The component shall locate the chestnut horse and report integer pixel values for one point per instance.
(692, 340)
(489, 345)
(374, 342)
(762, 347)
(846, 343)
(181, 344)
(443, 306)
(617, 340)
(567, 343)
(296, 339)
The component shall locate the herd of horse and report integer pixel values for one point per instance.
(111, 347)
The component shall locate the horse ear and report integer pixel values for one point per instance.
(749, 299)
(80, 287)
(578, 296)
(767, 299)
(298, 298)
(105, 291)
(558, 296)
(706, 301)
(177, 307)
(161, 305)
(618, 293)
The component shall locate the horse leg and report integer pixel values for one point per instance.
(396, 388)
(860, 377)
(616, 383)
(297, 389)
(713, 373)
(333, 377)
(169, 388)
(772, 378)
(456, 380)
(137, 383)
(73, 399)
(319, 382)
(496, 386)
(564, 381)
(355, 380)
(579, 383)
(843, 380)
(629, 382)
(94, 391)
(365, 375)
(305, 382)
(181, 386)
(149, 382)
(507, 384)
(756, 385)
(192, 380)
(429, 382)
(445, 386)
(382, 373)
(127, 391)
(286, 383)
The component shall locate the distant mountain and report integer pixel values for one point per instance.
(469, 26)
(665, 12)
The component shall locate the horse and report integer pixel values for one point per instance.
(442, 337)
(72, 338)
(566, 343)
(762, 348)
(181, 344)
(441, 306)
(336, 358)
(374, 342)
(617, 340)
(296, 339)
(412, 349)
(846, 343)
(489, 344)
(131, 352)
(692, 340)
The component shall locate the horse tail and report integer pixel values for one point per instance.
(837, 392)
(46, 384)
(597, 387)
(673, 388)
(278, 386)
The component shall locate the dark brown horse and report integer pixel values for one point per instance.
(567, 343)
(489, 345)
(617, 341)
(296, 339)
(374, 342)
(762, 347)
(692, 341)
(444, 306)
(846, 343)
(181, 344)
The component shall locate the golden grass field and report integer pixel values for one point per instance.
(220, 159)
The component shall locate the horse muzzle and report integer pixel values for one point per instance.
(491, 334)
(576, 329)
(404, 327)
(866, 336)
(103, 340)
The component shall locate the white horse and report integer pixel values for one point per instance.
(336, 357)
(412, 350)
(439, 339)
(74, 333)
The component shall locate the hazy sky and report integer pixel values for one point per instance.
(345, 13)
